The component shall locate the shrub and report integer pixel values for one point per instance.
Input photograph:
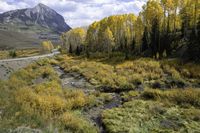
(105, 97)
(44, 105)
(4, 95)
(76, 98)
(172, 72)
(36, 105)
(4, 54)
(73, 122)
(193, 70)
(150, 116)
(34, 71)
(12, 54)
(176, 96)
(120, 76)
(127, 96)
(136, 79)
(146, 69)
(48, 88)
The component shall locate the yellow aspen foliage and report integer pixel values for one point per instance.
(109, 40)
(122, 29)
(47, 46)
(73, 39)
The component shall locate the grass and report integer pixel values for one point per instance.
(149, 116)
(47, 102)
(33, 72)
(189, 70)
(33, 99)
(127, 75)
(129, 96)
(17, 40)
(174, 110)
(19, 53)
(187, 97)
(74, 122)
(37, 106)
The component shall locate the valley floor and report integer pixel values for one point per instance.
(88, 95)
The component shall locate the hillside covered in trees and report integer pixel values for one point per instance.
(166, 28)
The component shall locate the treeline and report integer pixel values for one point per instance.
(161, 28)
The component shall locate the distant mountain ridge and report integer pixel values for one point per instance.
(40, 15)
(26, 28)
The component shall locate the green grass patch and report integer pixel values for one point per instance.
(187, 97)
(149, 116)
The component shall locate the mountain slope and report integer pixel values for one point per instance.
(24, 28)
(40, 15)
(16, 40)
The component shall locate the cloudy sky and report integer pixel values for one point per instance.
(79, 12)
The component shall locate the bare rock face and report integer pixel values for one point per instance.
(40, 15)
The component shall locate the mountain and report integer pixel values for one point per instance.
(16, 40)
(40, 15)
(28, 27)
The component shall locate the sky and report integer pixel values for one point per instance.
(79, 13)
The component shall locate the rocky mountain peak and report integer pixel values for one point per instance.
(41, 8)
(42, 5)
(41, 15)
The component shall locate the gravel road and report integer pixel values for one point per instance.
(8, 66)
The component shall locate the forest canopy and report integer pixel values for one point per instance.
(163, 28)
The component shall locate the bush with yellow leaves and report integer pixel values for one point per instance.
(76, 98)
(37, 102)
(75, 123)
(124, 75)
(185, 97)
(49, 99)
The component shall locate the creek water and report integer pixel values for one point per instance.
(73, 80)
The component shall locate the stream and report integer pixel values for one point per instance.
(74, 80)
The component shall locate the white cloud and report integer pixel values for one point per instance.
(79, 12)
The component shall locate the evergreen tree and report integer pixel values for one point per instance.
(133, 44)
(78, 50)
(87, 52)
(145, 40)
(155, 38)
(126, 49)
(194, 44)
(70, 49)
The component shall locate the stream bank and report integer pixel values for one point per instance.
(73, 80)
